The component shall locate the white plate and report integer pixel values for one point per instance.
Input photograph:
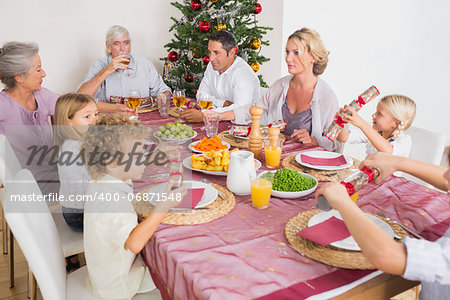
(191, 146)
(181, 141)
(292, 195)
(323, 154)
(187, 163)
(209, 195)
(348, 243)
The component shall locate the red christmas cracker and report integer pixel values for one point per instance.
(244, 131)
(335, 128)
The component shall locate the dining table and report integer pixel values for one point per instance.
(245, 254)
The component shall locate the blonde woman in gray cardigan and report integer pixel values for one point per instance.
(303, 99)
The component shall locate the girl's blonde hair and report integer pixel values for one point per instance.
(402, 109)
(66, 107)
(310, 40)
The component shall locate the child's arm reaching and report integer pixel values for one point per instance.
(382, 251)
(140, 235)
(378, 141)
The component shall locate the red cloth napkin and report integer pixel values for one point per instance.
(335, 161)
(192, 198)
(324, 233)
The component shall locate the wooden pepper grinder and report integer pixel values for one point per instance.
(274, 135)
(255, 137)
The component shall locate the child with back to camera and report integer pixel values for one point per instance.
(113, 237)
(414, 259)
(394, 115)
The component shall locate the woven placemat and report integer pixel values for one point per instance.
(174, 112)
(329, 255)
(237, 142)
(217, 209)
(147, 109)
(289, 162)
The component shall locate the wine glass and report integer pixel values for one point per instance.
(126, 61)
(179, 99)
(205, 102)
(134, 99)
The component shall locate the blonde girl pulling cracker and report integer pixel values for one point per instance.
(394, 115)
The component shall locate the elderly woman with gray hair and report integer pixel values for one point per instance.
(109, 78)
(25, 108)
(303, 99)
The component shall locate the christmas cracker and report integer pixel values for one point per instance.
(335, 128)
(353, 184)
(244, 131)
(124, 100)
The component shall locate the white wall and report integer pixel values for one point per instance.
(71, 34)
(272, 16)
(400, 46)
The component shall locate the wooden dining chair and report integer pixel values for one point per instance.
(37, 235)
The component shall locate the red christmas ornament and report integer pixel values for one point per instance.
(173, 56)
(196, 4)
(206, 59)
(258, 8)
(189, 78)
(237, 49)
(204, 26)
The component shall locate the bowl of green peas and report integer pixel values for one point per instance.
(290, 184)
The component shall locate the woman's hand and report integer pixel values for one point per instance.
(302, 136)
(353, 118)
(335, 193)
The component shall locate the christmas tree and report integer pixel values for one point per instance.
(188, 51)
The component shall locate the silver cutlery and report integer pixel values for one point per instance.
(381, 214)
(204, 180)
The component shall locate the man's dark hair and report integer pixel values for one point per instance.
(226, 38)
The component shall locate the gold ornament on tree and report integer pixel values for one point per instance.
(214, 1)
(196, 52)
(255, 43)
(220, 26)
(255, 66)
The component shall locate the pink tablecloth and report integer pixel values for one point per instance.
(246, 255)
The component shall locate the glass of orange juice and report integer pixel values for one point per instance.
(272, 153)
(261, 187)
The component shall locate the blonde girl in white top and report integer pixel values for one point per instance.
(394, 115)
(73, 114)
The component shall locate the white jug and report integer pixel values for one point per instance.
(242, 163)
